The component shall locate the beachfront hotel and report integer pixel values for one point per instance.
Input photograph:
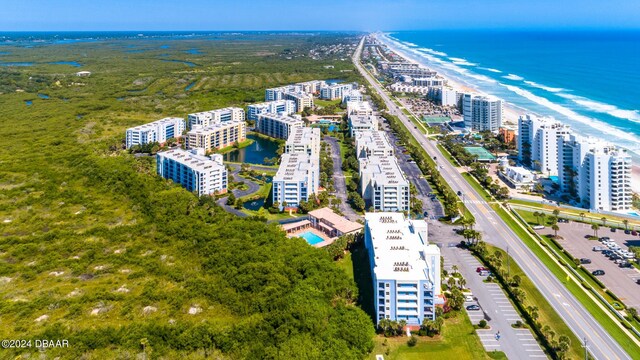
(303, 140)
(405, 268)
(206, 118)
(443, 96)
(280, 107)
(596, 172)
(358, 123)
(482, 112)
(217, 136)
(383, 184)
(298, 177)
(194, 171)
(158, 131)
(334, 91)
(538, 142)
(278, 126)
(428, 81)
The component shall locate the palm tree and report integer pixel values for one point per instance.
(595, 228)
(454, 268)
(451, 281)
(556, 212)
(462, 282)
(542, 216)
(582, 216)
(604, 221)
(626, 224)
(537, 216)
(555, 229)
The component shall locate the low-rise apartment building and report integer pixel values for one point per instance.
(298, 177)
(158, 131)
(206, 118)
(359, 123)
(280, 107)
(303, 140)
(195, 172)
(278, 126)
(217, 136)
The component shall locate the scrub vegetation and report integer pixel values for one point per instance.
(98, 250)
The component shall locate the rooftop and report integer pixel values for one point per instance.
(384, 170)
(400, 246)
(338, 222)
(165, 121)
(282, 118)
(295, 166)
(198, 163)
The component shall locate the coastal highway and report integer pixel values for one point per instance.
(495, 231)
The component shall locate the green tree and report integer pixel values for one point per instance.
(555, 229)
(231, 199)
(595, 228)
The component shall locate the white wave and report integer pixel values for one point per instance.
(434, 52)
(632, 115)
(544, 87)
(410, 44)
(463, 62)
(491, 69)
(593, 123)
(513, 77)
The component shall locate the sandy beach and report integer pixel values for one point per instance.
(511, 113)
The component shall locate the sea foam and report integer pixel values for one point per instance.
(543, 87)
(632, 115)
(513, 77)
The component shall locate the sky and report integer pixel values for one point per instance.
(361, 15)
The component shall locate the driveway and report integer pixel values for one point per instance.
(339, 181)
(415, 177)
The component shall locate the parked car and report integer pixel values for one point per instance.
(473, 307)
(564, 221)
(479, 269)
(634, 233)
(485, 273)
(614, 229)
(598, 248)
(619, 260)
(538, 227)
(606, 252)
(625, 264)
(638, 281)
(585, 261)
(597, 272)
(468, 297)
(604, 238)
(627, 232)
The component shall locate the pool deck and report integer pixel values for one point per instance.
(324, 243)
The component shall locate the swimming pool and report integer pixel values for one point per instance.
(311, 238)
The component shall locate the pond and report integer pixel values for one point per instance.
(43, 96)
(255, 153)
(72, 63)
(189, 86)
(189, 64)
(28, 102)
(254, 205)
(16, 64)
(193, 51)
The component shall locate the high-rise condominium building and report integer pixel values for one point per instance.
(280, 107)
(158, 131)
(405, 268)
(197, 173)
(482, 112)
(277, 126)
(206, 118)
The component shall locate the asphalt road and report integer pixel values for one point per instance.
(339, 181)
(495, 231)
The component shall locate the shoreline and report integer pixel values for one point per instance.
(510, 113)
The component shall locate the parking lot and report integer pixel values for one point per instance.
(495, 308)
(621, 281)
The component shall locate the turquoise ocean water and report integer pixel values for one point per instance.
(588, 79)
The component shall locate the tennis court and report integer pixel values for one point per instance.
(480, 152)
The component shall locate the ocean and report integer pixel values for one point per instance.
(587, 79)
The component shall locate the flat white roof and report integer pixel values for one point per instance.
(295, 166)
(303, 136)
(195, 162)
(161, 122)
(199, 129)
(384, 170)
(399, 246)
(282, 118)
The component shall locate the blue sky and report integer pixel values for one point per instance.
(59, 15)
